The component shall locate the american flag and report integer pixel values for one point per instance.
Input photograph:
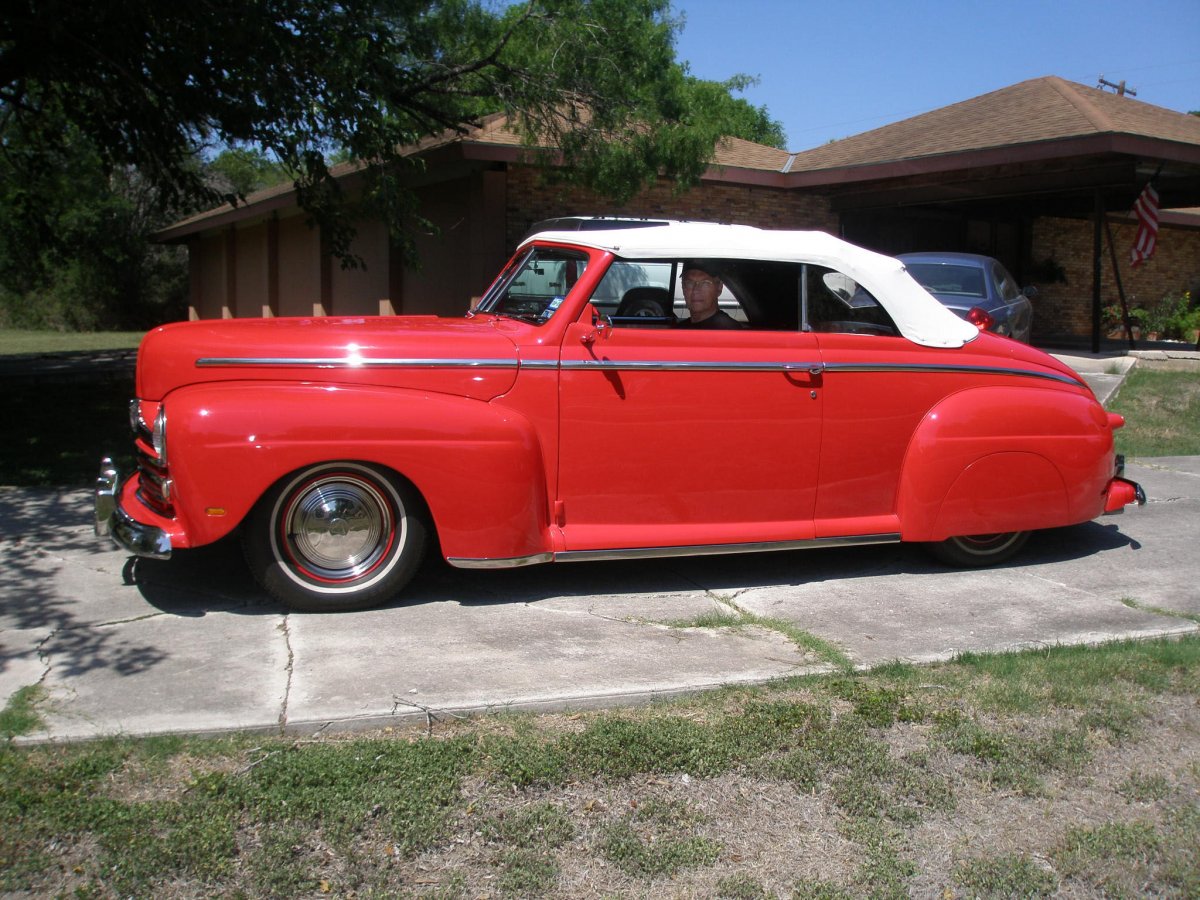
(1146, 210)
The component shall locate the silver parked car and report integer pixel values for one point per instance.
(977, 288)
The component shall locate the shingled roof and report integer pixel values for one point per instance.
(1030, 112)
(1032, 121)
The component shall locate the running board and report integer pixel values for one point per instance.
(662, 552)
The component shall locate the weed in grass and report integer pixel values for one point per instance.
(526, 873)
(715, 619)
(819, 890)
(741, 887)
(1139, 788)
(878, 706)
(409, 788)
(281, 864)
(1120, 718)
(1180, 867)
(658, 838)
(663, 744)
(804, 768)
(1005, 876)
(884, 870)
(733, 617)
(542, 825)
(1116, 856)
(20, 715)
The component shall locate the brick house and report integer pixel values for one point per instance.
(1035, 174)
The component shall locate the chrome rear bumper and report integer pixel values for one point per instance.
(113, 522)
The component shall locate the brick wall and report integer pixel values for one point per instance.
(1066, 309)
(531, 198)
(1061, 309)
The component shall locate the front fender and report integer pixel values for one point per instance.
(478, 466)
(998, 459)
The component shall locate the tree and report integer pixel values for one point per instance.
(74, 248)
(145, 84)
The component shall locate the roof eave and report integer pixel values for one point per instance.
(1118, 144)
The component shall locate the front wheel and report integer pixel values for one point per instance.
(978, 550)
(336, 537)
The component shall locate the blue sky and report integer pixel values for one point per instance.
(835, 68)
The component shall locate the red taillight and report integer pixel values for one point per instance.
(1121, 493)
(980, 318)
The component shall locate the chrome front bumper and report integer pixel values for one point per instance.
(113, 522)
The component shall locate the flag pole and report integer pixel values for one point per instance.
(1112, 252)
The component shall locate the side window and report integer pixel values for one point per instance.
(833, 302)
(636, 293)
(1006, 285)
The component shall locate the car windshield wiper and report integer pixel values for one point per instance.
(532, 318)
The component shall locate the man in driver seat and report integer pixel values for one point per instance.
(701, 288)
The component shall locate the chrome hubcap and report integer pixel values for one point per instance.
(338, 527)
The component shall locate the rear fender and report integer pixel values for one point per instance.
(998, 459)
(477, 466)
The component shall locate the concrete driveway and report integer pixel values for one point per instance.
(192, 645)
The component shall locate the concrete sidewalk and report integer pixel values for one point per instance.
(192, 645)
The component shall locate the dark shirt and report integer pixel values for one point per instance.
(718, 320)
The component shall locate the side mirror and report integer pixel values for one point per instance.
(1030, 291)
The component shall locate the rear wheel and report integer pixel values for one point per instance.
(334, 537)
(979, 550)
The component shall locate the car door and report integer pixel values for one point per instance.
(674, 437)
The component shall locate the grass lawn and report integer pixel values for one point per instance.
(14, 342)
(1070, 771)
(1162, 411)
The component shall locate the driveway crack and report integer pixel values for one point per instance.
(43, 656)
(285, 629)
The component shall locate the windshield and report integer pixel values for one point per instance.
(535, 285)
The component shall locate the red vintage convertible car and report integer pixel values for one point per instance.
(577, 413)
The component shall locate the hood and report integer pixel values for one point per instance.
(465, 357)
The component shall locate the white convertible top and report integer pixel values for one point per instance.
(920, 317)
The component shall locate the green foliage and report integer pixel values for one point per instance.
(1173, 317)
(244, 170)
(74, 250)
(20, 715)
(300, 79)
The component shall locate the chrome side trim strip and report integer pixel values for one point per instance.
(720, 549)
(648, 365)
(949, 369)
(345, 362)
(633, 365)
(814, 368)
(512, 562)
(662, 552)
